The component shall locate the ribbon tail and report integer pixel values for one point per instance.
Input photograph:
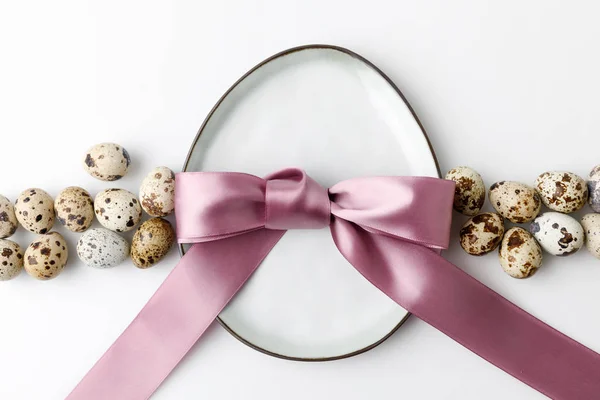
(192, 296)
(438, 292)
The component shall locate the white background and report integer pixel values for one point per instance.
(509, 88)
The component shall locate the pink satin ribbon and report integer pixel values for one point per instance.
(390, 229)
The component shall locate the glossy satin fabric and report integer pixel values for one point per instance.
(390, 229)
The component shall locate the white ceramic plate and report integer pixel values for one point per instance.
(334, 114)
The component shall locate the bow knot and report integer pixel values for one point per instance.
(293, 200)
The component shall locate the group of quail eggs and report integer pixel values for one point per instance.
(556, 232)
(117, 210)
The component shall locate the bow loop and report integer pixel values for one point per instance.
(216, 205)
(415, 209)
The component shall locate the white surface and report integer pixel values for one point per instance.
(321, 110)
(509, 88)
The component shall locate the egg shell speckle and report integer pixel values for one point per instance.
(8, 219)
(34, 209)
(594, 189)
(591, 226)
(157, 192)
(117, 210)
(482, 233)
(515, 201)
(520, 254)
(562, 191)
(151, 242)
(469, 193)
(101, 248)
(557, 233)
(11, 259)
(46, 257)
(107, 161)
(74, 209)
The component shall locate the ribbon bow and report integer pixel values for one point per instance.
(390, 229)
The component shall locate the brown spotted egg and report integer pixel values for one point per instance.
(8, 219)
(74, 209)
(151, 242)
(34, 209)
(520, 254)
(557, 233)
(117, 210)
(591, 226)
(107, 161)
(11, 259)
(482, 233)
(469, 193)
(46, 257)
(157, 192)
(562, 191)
(515, 201)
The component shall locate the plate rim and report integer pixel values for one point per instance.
(218, 104)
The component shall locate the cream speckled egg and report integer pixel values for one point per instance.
(101, 248)
(515, 201)
(117, 210)
(482, 233)
(35, 210)
(11, 259)
(594, 189)
(151, 242)
(469, 193)
(157, 192)
(520, 254)
(47, 256)
(557, 233)
(562, 191)
(74, 209)
(8, 219)
(107, 161)
(591, 226)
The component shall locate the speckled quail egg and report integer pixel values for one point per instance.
(117, 210)
(35, 210)
(591, 226)
(515, 201)
(482, 233)
(11, 259)
(151, 242)
(74, 209)
(8, 219)
(101, 248)
(557, 233)
(469, 193)
(564, 192)
(520, 254)
(46, 257)
(107, 161)
(594, 189)
(157, 192)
